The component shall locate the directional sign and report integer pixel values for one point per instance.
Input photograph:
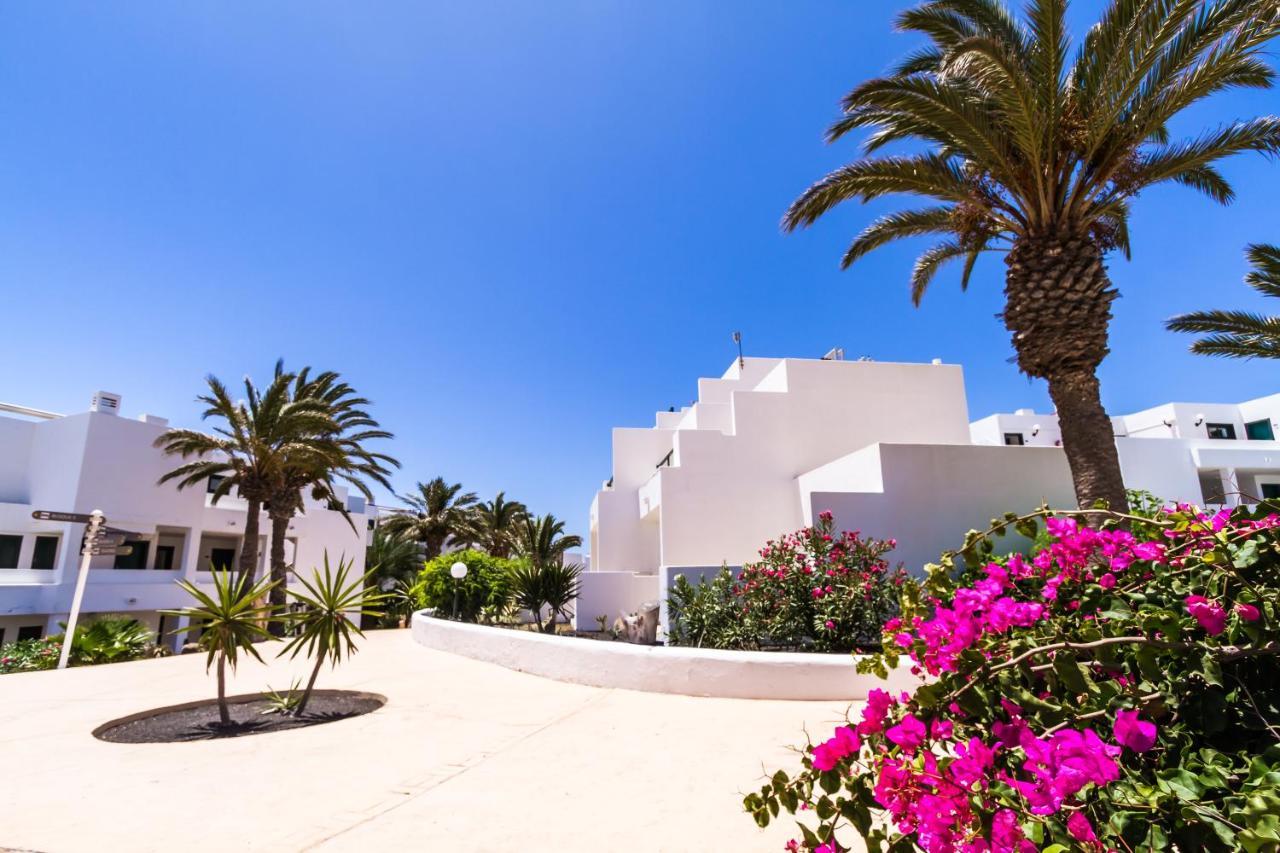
(74, 517)
(109, 550)
(108, 539)
(127, 534)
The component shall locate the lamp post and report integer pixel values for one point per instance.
(459, 571)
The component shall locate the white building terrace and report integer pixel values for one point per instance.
(101, 460)
(889, 449)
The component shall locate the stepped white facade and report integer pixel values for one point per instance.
(889, 449)
(101, 460)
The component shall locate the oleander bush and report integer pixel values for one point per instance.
(812, 589)
(1115, 689)
(30, 655)
(487, 586)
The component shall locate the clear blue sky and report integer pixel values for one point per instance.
(514, 225)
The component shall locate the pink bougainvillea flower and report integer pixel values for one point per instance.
(1081, 830)
(1107, 581)
(908, 734)
(1208, 613)
(843, 743)
(1247, 612)
(941, 729)
(792, 846)
(904, 639)
(1006, 834)
(1134, 733)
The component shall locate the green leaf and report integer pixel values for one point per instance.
(1181, 783)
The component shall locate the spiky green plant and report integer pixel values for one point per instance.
(1240, 334)
(324, 625)
(1035, 151)
(229, 621)
(545, 588)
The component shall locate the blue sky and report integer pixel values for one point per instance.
(514, 225)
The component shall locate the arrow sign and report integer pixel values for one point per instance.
(109, 550)
(108, 539)
(74, 517)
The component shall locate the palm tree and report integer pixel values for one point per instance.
(1036, 153)
(393, 561)
(228, 622)
(246, 451)
(334, 452)
(542, 540)
(438, 511)
(1240, 334)
(494, 524)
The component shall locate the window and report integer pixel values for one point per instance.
(1270, 491)
(9, 548)
(1227, 431)
(222, 559)
(45, 554)
(137, 558)
(30, 632)
(164, 557)
(214, 482)
(1259, 430)
(1014, 439)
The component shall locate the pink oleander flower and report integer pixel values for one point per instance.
(1081, 830)
(1136, 734)
(1247, 612)
(1208, 613)
(829, 625)
(843, 743)
(908, 734)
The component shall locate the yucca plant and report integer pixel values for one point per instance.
(549, 587)
(230, 621)
(1240, 334)
(1026, 147)
(326, 629)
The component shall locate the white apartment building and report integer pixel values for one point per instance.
(101, 460)
(889, 450)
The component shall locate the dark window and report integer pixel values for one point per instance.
(222, 559)
(164, 557)
(45, 553)
(1227, 431)
(1, 636)
(1271, 491)
(214, 482)
(9, 548)
(30, 632)
(1013, 439)
(1259, 430)
(135, 559)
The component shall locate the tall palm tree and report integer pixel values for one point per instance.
(245, 452)
(317, 462)
(436, 512)
(1035, 152)
(1240, 334)
(494, 524)
(543, 541)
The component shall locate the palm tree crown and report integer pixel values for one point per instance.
(494, 524)
(1240, 334)
(1035, 151)
(543, 541)
(437, 511)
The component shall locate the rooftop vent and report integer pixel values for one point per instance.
(834, 354)
(1025, 412)
(106, 403)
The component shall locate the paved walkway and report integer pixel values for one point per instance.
(465, 756)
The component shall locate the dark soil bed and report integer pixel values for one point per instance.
(200, 721)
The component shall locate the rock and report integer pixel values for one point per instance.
(641, 626)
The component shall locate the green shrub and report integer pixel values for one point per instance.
(30, 655)
(111, 639)
(545, 587)
(811, 589)
(486, 585)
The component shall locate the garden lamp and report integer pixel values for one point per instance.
(459, 571)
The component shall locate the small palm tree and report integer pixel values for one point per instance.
(229, 621)
(1035, 153)
(542, 540)
(438, 511)
(244, 453)
(325, 628)
(393, 561)
(1240, 334)
(545, 587)
(495, 523)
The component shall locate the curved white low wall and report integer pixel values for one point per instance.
(659, 669)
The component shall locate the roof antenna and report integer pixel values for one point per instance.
(737, 339)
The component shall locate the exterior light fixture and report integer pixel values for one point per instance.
(459, 571)
(1199, 418)
(1035, 430)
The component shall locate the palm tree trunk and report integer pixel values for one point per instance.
(279, 572)
(435, 545)
(224, 713)
(248, 568)
(1058, 307)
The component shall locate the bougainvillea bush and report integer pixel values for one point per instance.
(812, 589)
(30, 655)
(1118, 689)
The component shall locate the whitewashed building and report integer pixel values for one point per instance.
(889, 449)
(101, 460)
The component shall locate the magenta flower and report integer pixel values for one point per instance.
(1136, 734)
(843, 743)
(1107, 581)
(1081, 830)
(1247, 612)
(908, 734)
(1208, 613)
